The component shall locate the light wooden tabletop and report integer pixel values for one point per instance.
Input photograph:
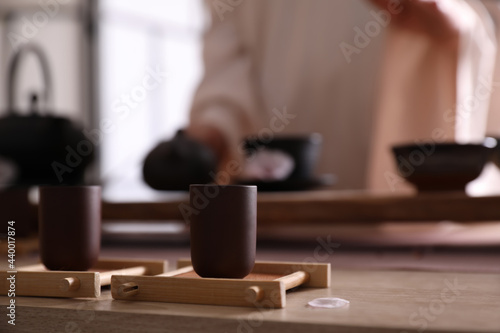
(380, 301)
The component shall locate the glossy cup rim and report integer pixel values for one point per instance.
(441, 145)
(69, 186)
(223, 186)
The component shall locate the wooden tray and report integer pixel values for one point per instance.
(266, 286)
(36, 280)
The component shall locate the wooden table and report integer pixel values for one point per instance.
(327, 207)
(380, 301)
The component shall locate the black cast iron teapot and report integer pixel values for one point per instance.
(45, 149)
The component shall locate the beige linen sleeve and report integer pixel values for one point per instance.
(487, 93)
(427, 90)
(225, 99)
(493, 78)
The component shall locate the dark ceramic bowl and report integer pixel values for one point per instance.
(441, 166)
(496, 153)
(304, 149)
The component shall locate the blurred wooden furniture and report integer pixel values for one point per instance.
(380, 301)
(327, 207)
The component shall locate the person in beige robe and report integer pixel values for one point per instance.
(365, 74)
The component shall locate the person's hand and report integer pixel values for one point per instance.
(212, 138)
(438, 19)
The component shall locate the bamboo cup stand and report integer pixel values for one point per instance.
(265, 286)
(36, 280)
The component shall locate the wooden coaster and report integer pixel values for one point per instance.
(265, 287)
(36, 280)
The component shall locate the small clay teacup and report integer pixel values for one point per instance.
(70, 226)
(15, 206)
(223, 230)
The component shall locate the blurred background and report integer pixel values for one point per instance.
(99, 54)
(126, 73)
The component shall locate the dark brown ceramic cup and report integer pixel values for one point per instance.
(223, 230)
(70, 226)
(15, 206)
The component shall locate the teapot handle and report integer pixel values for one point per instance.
(14, 63)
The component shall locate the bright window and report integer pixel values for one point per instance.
(138, 108)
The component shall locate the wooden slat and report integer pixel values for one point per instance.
(153, 267)
(329, 207)
(36, 280)
(230, 292)
(52, 284)
(106, 276)
(117, 266)
(294, 280)
(33, 268)
(319, 273)
(178, 271)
